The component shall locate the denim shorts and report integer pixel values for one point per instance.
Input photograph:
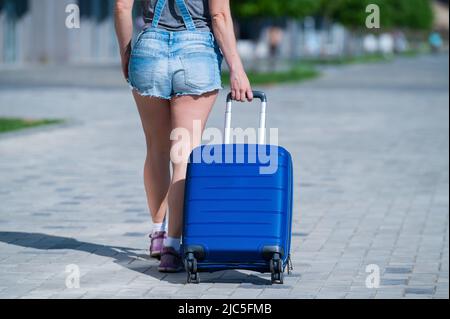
(164, 64)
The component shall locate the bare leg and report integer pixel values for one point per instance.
(155, 117)
(184, 111)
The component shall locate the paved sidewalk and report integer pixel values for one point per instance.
(370, 146)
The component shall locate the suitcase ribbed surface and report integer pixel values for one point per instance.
(233, 210)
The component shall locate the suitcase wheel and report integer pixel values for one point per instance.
(191, 269)
(193, 278)
(276, 269)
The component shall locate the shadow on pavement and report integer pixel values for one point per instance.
(124, 256)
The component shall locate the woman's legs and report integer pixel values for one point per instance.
(184, 111)
(159, 118)
(156, 122)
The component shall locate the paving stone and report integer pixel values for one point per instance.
(371, 187)
(394, 282)
(398, 270)
(419, 291)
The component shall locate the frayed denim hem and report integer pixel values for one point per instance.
(149, 93)
(199, 93)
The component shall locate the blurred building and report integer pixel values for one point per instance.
(35, 31)
(441, 14)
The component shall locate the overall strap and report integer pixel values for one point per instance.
(187, 18)
(157, 12)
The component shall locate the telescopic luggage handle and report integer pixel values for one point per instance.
(262, 119)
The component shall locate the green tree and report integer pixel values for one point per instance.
(301, 8)
(408, 14)
(271, 8)
(415, 14)
(350, 13)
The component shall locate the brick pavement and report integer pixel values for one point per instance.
(370, 146)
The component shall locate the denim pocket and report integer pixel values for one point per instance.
(137, 40)
(141, 72)
(200, 69)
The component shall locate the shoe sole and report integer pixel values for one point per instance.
(169, 270)
(156, 254)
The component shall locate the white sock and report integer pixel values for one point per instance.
(172, 242)
(158, 227)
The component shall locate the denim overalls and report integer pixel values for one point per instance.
(164, 64)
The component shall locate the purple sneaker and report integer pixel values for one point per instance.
(157, 239)
(170, 260)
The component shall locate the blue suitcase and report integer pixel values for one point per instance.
(238, 206)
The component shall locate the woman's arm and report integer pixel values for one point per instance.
(224, 32)
(124, 30)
